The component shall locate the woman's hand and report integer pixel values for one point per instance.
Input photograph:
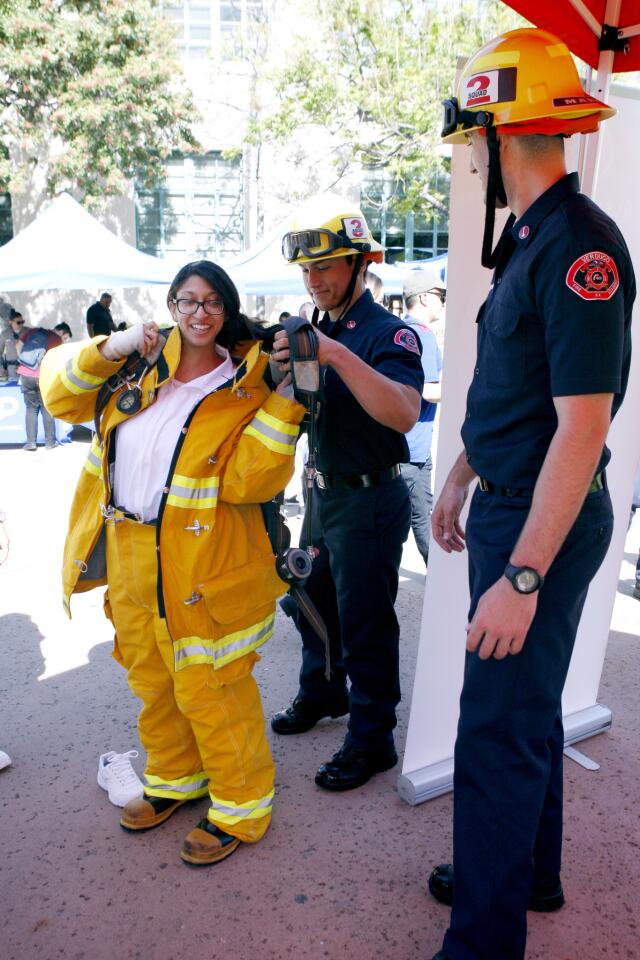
(151, 340)
(285, 387)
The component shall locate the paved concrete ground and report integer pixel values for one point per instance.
(335, 876)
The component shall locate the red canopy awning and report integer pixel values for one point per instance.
(564, 19)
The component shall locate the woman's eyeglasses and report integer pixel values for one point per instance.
(213, 308)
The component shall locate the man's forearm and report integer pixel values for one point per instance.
(392, 404)
(461, 473)
(559, 494)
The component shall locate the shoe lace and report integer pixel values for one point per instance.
(122, 770)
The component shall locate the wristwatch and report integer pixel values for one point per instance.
(523, 579)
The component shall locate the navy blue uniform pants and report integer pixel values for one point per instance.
(507, 828)
(354, 585)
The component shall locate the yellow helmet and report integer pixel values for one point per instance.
(525, 81)
(329, 227)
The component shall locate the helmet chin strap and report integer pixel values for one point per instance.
(346, 301)
(495, 191)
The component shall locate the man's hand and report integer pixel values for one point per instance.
(445, 523)
(501, 621)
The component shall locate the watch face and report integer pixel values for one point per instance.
(526, 581)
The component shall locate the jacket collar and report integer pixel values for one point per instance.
(248, 373)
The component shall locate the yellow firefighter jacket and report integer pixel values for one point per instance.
(217, 582)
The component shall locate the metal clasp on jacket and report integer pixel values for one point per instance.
(197, 527)
(108, 512)
(194, 598)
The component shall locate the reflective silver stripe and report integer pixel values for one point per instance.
(245, 641)
(77, 380)
(241, 812)
(212, 652)
(178, 787)
(193, 493)
(272, 433)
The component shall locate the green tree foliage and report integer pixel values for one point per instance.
(371, 74)
(91, 95)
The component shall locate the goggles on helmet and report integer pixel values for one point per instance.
(455, 118)
(316, 244)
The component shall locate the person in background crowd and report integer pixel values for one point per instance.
(424, 298)
(8, 346)
(553, 358)
(176, 487)
(375, 284)
(33, 344)
(306, 310)
(284, 316)
(99, 319)
(372, 384)
(64, 331)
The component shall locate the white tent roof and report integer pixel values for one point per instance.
(65, 248)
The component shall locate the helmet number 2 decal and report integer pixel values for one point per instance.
(494, 86)
(593, 276)
(354, 228)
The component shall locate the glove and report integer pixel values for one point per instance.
(122, 343)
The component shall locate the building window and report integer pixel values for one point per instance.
(404, 236)
(203, 26)
(6, 219)
(197, 212)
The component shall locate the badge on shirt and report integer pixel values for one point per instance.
(593, 276)
(405, 338)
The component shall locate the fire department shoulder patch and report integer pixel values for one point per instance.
(593, 276)
(405, 338)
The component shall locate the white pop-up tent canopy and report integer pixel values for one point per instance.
(65, 248)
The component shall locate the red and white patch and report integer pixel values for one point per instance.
(408, 340)
(354, 228)
(524, 232)
(350, 324)
(494, 86)
(593, 276)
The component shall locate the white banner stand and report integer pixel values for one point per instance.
(427, 769)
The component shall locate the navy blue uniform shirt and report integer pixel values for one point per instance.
(556, 323)
(349, 440)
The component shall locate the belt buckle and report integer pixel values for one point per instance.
(484, 486)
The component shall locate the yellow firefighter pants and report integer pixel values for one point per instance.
(203, 729)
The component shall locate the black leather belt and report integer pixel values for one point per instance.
(598, 483)
(354, 481)
(136, 516)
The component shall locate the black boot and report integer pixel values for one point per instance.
(302, 715)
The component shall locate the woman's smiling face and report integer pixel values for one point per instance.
(200, 329)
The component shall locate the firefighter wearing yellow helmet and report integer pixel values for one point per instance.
(552, 364)
(372, 383)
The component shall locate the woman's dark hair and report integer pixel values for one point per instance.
(236, 326)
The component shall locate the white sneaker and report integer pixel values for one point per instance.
(5, 760)
(118, 778)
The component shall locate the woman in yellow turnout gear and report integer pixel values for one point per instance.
(167, 514)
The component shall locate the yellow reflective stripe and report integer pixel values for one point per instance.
(199, 493)
(77, 381)
(191, 650)
(93, 463)
(223, 811)
(276, 435)
(183, 788)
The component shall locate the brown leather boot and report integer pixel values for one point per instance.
(207, 844)
(143, 813)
